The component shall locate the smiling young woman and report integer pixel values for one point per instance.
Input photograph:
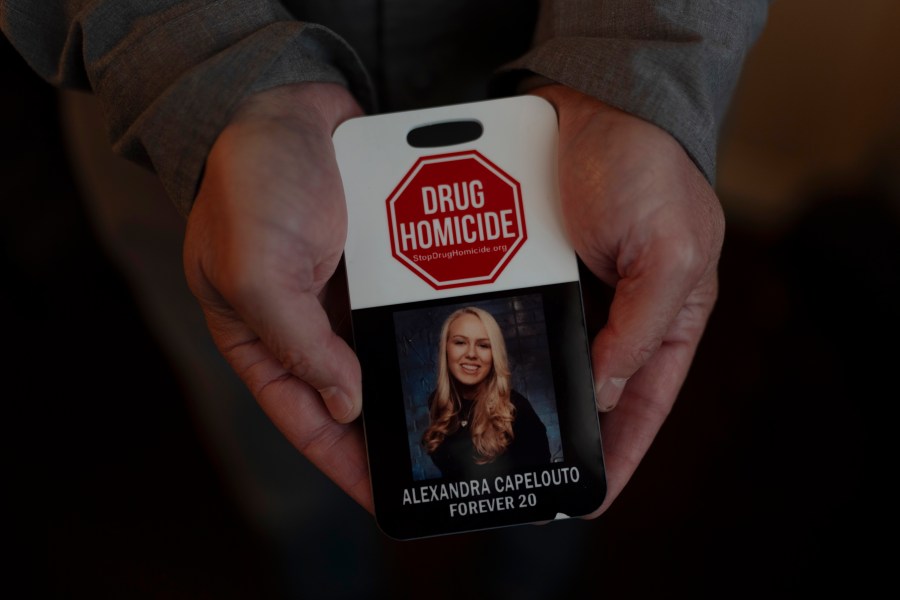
(478, 422)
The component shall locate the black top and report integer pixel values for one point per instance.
(455, 457)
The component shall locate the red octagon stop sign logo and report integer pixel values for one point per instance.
(456, 219)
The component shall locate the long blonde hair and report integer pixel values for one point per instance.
(493, 412)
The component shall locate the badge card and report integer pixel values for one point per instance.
(466, 305)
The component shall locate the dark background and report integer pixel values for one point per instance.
(772, 474)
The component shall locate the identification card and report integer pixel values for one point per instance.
(466, 305)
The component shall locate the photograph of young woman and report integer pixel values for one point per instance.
(478, 423)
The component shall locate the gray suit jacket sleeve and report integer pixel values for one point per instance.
(169, 73)
(673, 63)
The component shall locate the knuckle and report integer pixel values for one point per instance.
(298, 363)
(687, 258)
(640, 354)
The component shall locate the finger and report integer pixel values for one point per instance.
(293, 334)
(336, 449)
(294, 406)
(654, 290)
(297, 331)
(628, 432)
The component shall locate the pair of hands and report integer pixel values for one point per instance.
(267, 230)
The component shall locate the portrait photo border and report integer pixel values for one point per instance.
(387, 437)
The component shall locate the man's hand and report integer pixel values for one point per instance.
(644, 220)
(264, 237)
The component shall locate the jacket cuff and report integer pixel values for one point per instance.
(174, 132)
(678, 75)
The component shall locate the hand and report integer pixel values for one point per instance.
(644, 220)
(264, 237)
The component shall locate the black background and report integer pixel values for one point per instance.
(771, 476)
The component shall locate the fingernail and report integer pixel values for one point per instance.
(608, 392)
(337, 402)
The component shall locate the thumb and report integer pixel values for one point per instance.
(298, 333)
(642, 311)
